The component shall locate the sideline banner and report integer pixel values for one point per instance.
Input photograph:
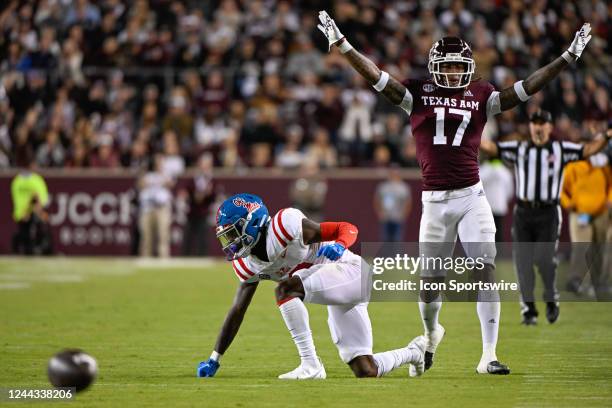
(94, 214)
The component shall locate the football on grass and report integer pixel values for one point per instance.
(72, 368)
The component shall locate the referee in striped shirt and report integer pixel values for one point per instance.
(538, 170)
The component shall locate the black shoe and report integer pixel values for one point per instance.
(497, 368)
(552, 311)
(530, 314)
(428, 360)
(529, 320)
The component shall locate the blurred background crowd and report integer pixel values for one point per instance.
(113, 84)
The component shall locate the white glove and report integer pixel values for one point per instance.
(329, 28)
(580, 40)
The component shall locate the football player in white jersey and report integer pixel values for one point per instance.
(311, 263)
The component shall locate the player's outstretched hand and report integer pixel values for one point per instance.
(581, 39)
(208, 368)
(333, 252)
(329, 28)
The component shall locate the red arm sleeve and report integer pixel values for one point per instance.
(344, 233)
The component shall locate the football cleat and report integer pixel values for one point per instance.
(552, 312)
(433, 338)
(530, 314)
(529, 320)
(416, 368)
(492, 367)
(305, 373)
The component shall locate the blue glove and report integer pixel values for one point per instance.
(333, 252)
(208, 368)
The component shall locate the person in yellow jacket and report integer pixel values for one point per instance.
(30, 197)
(587, 195)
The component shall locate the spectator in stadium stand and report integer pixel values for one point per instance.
(356, 128)
(104, 156)
(290, 155)
(498, 185)
(392, 205)
(309, 190)
(100, 62)
(172, 163)
(155, 199)
(320, 151)
(30, 197)
(138, 157)
(261, 155)
(178, 118)
(51, 153)
(200, 195)
(587, 196)
(229, 156)
(328, 110)
(381, 156)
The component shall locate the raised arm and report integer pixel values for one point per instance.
(523, 90)
(230, 327)
(393, 90)
(390, 87)
(597, 145)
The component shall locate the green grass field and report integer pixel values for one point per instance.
(149, 324)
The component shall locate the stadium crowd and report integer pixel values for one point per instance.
(111, 84)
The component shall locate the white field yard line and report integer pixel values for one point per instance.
(19, 272)
(34, 277)
(231, 383)
(152, 263)
(146, 262)
(14, 285)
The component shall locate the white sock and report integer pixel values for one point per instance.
(295, 315)
(429, 314)
(390, 360)
(488, 313)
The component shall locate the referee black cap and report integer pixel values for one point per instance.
(540, 116)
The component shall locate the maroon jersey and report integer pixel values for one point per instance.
(447, 125)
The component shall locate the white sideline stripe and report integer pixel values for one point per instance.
(14, 285)
(177, 262)
(350, 383)
(148, 262)
(64, 278)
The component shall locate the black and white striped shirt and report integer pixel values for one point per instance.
(538, 170)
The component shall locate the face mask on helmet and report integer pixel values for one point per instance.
(234, 241)
(452, 79)
(451, 51)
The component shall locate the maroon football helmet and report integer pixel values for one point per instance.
(451, 50)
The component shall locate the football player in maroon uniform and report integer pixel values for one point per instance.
(447, 114)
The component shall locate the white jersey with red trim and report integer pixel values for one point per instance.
(286, 250)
